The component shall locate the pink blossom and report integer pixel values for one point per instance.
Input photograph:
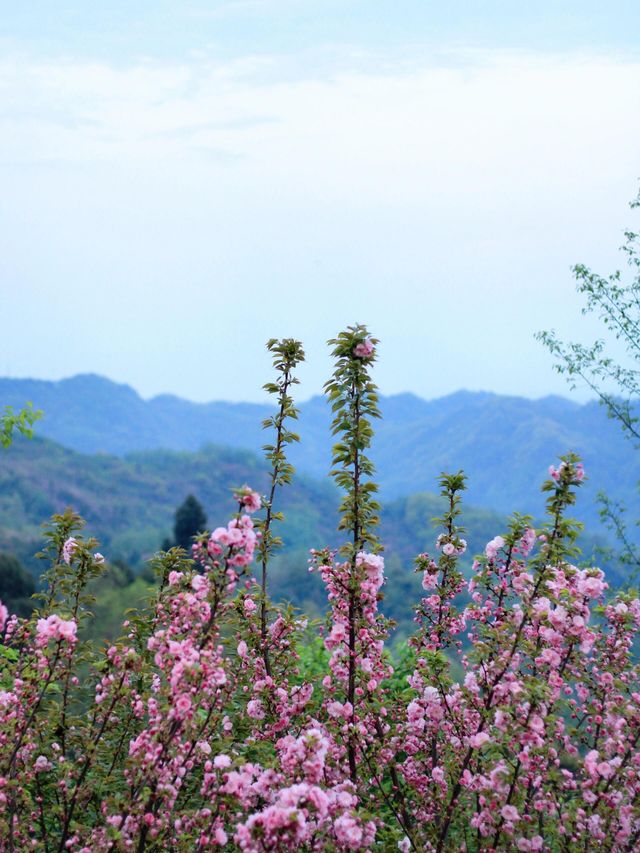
(492, 548)
(478, 740)
(200, 584)
(249, 499)
(373, 565)
(182, 705)
(528, 540)
(591, 584)
(335, 709)
(54, 628)
(530, 844)
(429, 580)
(364, 349)
(68, 549)
(348, 831)
(438, 775)
(255, 709)
(510, 813)
(7, 698)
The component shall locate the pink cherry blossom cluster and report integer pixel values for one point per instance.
(364, 349)
(278, 698)
(238, 535)
(248, 499)
(577, 470)
(68, 549)
(355, 701)
(301, 802)
(512, 724)
(539, 740)
(54, 628)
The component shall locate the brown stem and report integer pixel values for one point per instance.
(86, 766)
(351, 684)
(275, 473)
(34, 711)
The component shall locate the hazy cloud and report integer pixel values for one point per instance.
(445, 195)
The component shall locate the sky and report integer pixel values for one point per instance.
(182, 180)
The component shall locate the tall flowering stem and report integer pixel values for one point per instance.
(442, 579)
(287, 354)
(354, 402)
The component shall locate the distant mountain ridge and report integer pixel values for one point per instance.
(504, 444)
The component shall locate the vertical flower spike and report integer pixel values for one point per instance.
(354, 401)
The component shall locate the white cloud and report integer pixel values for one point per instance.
(492, 116)
(461, 186)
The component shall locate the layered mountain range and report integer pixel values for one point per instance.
(504, 444)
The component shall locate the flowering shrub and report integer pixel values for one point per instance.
(514, 725)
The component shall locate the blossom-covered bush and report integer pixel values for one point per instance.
(511, 721)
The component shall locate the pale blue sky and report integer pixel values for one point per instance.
(183, 180)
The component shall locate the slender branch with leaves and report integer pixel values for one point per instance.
(613, 378)
(287, 355)
(354, 402)
(616, 303)
(21, 422)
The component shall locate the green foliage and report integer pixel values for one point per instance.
(287, 355)
(617, 383)
(115, 592)
(314, 659)
(617, 304)
(561, 536)
(450, 487)
(67, 586)
(21, 421)
(627, 554)
(190, 520)
(354, 402)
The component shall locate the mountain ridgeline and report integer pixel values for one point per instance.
(504, 444)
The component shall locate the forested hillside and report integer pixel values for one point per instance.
(129, 504)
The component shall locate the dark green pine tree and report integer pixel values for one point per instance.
(190, 519)
(16, 586)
